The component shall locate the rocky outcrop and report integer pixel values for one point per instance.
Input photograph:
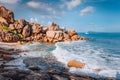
(36, 28)
(72, 32)
(6, 35)
(14, 30)
(15, 74)
(7, 14)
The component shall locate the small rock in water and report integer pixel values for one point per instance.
(76, 64)
(34, 68)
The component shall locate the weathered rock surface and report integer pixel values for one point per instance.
(3, 20)
(7, 14)
(15, 74)
(72, 32)
(26, 31)
(6, 36)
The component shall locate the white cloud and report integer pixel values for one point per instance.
(33, 4)
(46, 10)
(86, 10)
(9, 1)
(73, 3)
(40, 6)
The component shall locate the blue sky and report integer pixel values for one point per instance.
(81, 15)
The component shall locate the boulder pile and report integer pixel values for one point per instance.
(12, 30)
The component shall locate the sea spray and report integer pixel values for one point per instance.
(94, 57)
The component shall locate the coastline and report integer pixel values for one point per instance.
(57, 70)
(36, 61)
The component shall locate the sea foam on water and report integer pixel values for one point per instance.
(97, 62)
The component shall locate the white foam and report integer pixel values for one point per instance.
(42, 51)
(93, 59)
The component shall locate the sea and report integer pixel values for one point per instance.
(101, 53)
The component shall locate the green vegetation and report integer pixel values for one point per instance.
(7, 29)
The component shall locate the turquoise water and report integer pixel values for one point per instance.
(102, 52)
(110, 42)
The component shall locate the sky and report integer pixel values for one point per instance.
(81, 15)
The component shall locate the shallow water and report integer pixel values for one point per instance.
(34, 50)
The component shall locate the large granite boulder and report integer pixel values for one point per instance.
(19, 24)
(58, 34)
(3, 21)
(72, 32)
(50, 34)
(66, 36)
(7, 14)
(22, 22)
(36, 28)
(26, 31)
(75, 37)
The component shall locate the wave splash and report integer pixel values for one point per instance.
(94, 58)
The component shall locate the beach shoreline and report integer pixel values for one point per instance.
(59, 71)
